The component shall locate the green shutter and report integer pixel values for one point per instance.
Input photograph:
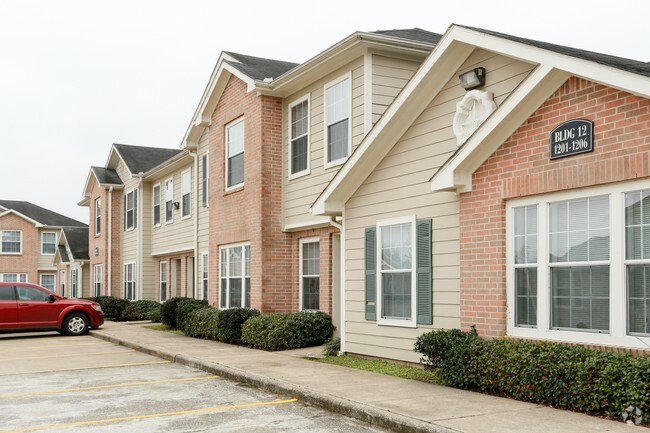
(371, 273)
(424, 286)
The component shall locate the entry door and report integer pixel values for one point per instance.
(176, 277)
(8, 307)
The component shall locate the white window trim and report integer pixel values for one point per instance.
(164, 210)
(74, 283)
(307, 170)
(243, 245)
(56, 238)
(205, 274)
(405, 323)
(126, 210)
(12, 253)
(617, 297)
(134, 280)
(153, 204)
(40, 281)
(101, 282)
(98, 216)
(300, 267)
(340, 161)
(189, 186)
(62, 282)
(160, 279)
(205, 173)
(18, 276)
(227, 165)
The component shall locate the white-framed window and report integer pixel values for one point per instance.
(62, 283)
(163, 281)
(299, 160)
(169, 200)
(48, 243)
(396, 282)
(156, 205)
(13, 277)
(48, 281)
(186, 199)
(98, 274)
(338, 131)
(205, 180)
(130, 281)
(205, 263)
(576, 265)
(12, 242)
(98, 216)
(235, 154)
(235, 284)
(310, 273)
(74, 283)
(131, 210)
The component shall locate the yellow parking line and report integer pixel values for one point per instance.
(117, 385)
(86, 368)
(66, 356)
(52, 346)
(153, 415)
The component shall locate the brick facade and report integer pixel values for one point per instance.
(521, 167)
(27, 261)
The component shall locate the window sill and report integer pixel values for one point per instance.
(335, 163)
(299, 174)
(234, 190)
(397, 323)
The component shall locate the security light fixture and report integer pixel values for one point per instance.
(177, 205)
(472, 79)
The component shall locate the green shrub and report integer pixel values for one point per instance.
(155, 315)
(202, 323)
(112, 307)
(184, 307)
(332, 347)
(230, 322)
(168, 311)
(560, 375)
(141, 310)
(282, 331)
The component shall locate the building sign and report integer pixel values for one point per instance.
(571, 138)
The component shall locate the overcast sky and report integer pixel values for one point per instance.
(77, 76)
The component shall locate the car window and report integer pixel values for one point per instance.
(7, 293)
(31, 294)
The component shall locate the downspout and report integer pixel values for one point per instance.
(109, 265)
(341, 226)
(195, 194)
(139, 236)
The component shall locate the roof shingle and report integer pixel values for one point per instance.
(140, 159)
(41, 215)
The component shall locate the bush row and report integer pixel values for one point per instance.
(122, 309)
(560, 375)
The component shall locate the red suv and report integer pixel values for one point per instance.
(28, 307)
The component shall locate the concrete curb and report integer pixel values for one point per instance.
(363, 412)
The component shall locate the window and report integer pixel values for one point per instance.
(11, 242)
(163, 281)
(204, 275)
(204, 180)
(577, 265)
(48, 281)
(98, 216)
(337, 121)
(62, 282)
(74, 283)
(156, 205)
(7, 293)
(169, 200)
(13, 278)
(299, 137)
(129, 281)
(97, 280)
(398, 284)
(309, 274)
(186, 185)
(48, 243)
(131, 210)
(235, 154)
(235, 287)
(26, 293)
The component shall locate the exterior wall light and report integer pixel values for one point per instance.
(472, 79)
(177, 205)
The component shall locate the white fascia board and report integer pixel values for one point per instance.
(307, 224)
(457, 172)
(86, 192)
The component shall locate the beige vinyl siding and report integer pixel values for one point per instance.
(204, 212)
(129, 239)
(389, 76)
(301, 192)
(145, 220)
(85, 280)
(45, 261)
(399, 186)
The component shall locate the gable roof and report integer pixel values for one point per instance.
(106, 176)
(63, 252)
(39, 214)
(414, 34)
(140, 159)
(555, 64)
(258, 68)
(77, 240)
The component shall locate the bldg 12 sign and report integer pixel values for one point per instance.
(571, 138)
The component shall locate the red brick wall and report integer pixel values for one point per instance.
(521, 167)
(27, 261)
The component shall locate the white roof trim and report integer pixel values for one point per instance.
(23, 216)
(309, 224)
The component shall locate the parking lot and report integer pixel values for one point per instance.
(63, 384)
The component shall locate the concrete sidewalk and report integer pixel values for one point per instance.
(397, 404)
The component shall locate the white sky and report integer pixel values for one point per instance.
(77, 76)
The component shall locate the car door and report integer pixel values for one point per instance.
(34, 308)
(8, 307)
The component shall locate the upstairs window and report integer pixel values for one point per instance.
(98, 216)
(11, 242)
(169, 200)
(337, 121)
(299, 137)
(48, 243)
(131, 210)
(186, 185)
(156, 205)
(235, 154)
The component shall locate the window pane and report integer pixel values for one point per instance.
(236, 139)
(235, 292)
(310, 293)
(396, 247)
(299, 116)
(580, 297)
(248, 293)
(11, 241)
(526, 288)
(236, 170)
(235, 258)
(525, 234)
(223, 293)
(637, 225)
(638, 292)
(396, 295)
(299, 154)
(338, 105)
(337, 140)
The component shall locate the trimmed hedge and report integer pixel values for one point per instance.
(229, 323)
(282, 331)
(560, 375)
(168, 311)
(202, 323)
(184, 307)
(112, 307)
(141, 310)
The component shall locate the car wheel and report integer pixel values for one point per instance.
(75, 324)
